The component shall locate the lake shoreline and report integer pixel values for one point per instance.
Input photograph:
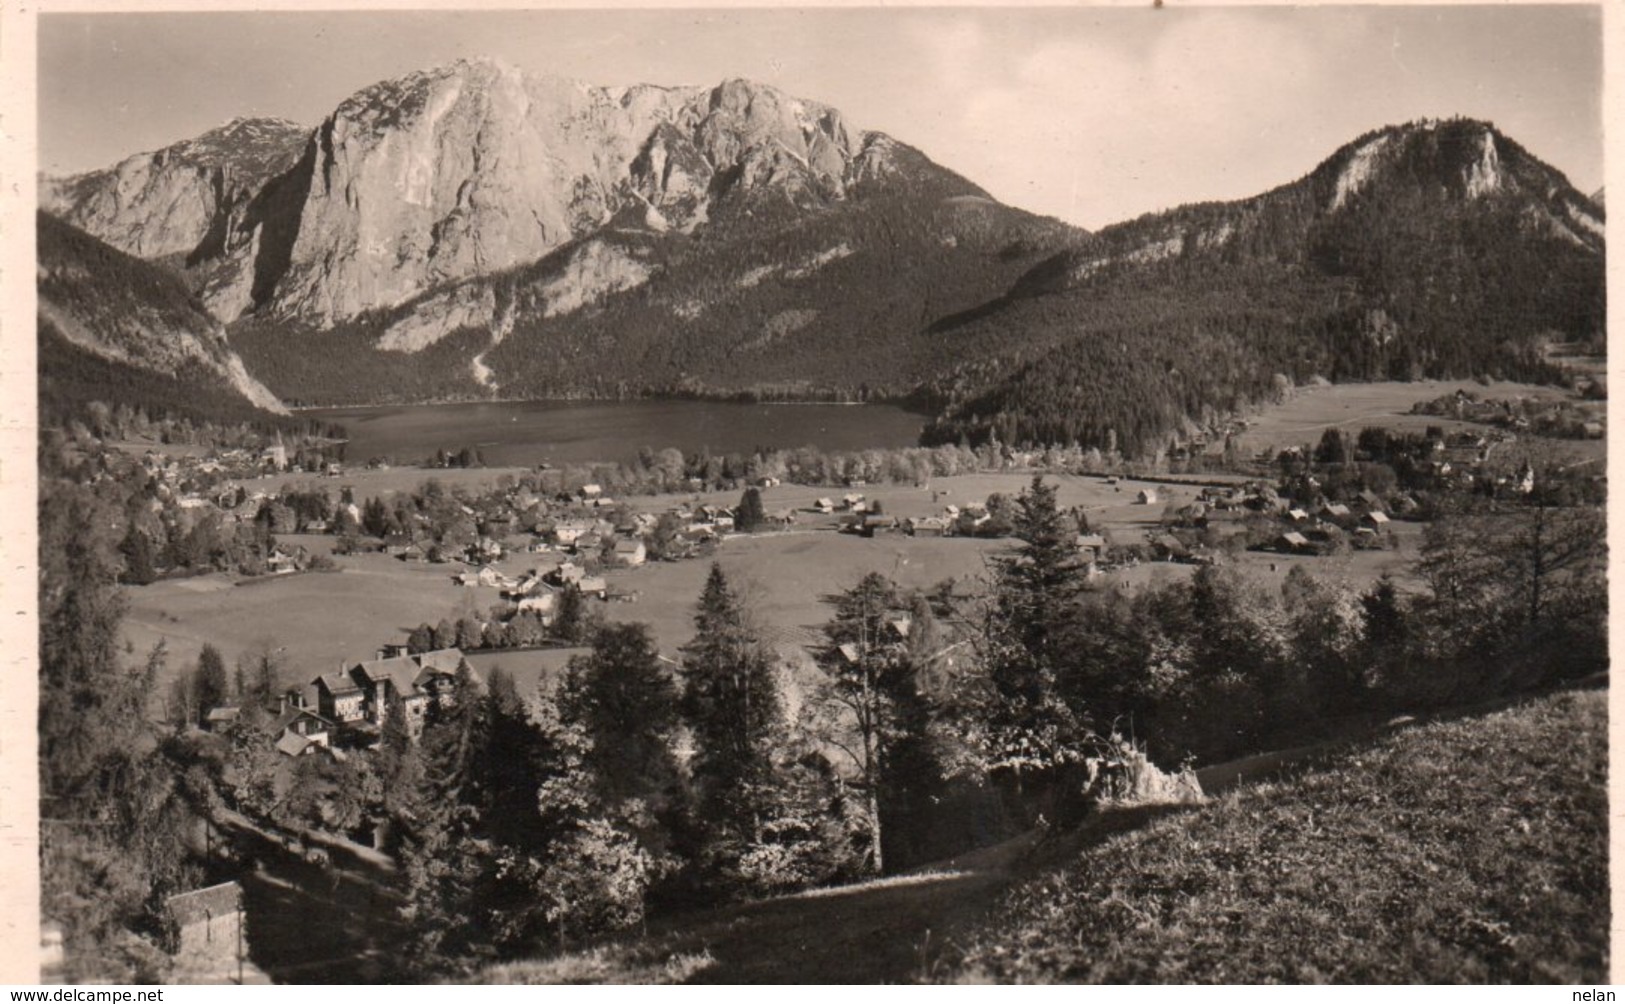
(568, 431)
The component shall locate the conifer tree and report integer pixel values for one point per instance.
(751, 515)
(732, 705)
(1030, 733)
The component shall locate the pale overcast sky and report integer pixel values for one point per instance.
(1093, 115)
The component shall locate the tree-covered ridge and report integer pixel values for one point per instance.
(116, 329)
(1413, 260)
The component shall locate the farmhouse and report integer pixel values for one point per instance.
(542, 604)
(927, 526)
(1146, 496)
(1091, 546)
(566, 573)
(1376, 519)
(1167, 547)
(630, 552)
(1292, 543)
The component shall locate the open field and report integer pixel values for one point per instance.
(319, 620)
(1353, 406)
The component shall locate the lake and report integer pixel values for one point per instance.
(526, 433)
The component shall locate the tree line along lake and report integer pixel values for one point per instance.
(527, 433)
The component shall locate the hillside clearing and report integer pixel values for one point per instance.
(1473, 850)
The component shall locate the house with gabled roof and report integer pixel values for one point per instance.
(339, 697)
(630, 552)
(418, 680)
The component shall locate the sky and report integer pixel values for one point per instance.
(1089, 114)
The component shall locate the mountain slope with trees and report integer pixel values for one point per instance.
(1431, 250)
(123, 331)
(738, 241)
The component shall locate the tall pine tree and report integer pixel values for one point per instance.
(732, 705)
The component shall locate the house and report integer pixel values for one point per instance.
(898, 628)
(416, 680)
(589, 543)
(306, 724)
(928, 526)
(851, 500)
(567, 532)
(1146, 496)
(205, 927)
(1292, 543)
(218, 719)
(294, 745)
(1297, 515)
(542, 604)
(1370, 501)
(1336, 512)
(593, 585)
(339, 697)
(395, 544)
(1170, 548)
(630, 552)
(591, 491)
(490, 577)
(825, 505)
(1092, 546)
(565, 574)
(1376, 519)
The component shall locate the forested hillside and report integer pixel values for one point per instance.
(119, 330)
(1429, 251)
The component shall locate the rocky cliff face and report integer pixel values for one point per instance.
(462, 171)
(181, 200)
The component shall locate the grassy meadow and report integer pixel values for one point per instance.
(1472, 850)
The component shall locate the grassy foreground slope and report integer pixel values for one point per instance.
(1473, 850)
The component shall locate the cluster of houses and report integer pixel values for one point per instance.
(1553, 417)
(348, 706)
(1364, 522)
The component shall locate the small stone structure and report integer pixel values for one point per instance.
(207, 938)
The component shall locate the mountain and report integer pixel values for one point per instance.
(1597, 197)
(1428, 250)
(120, 330)
(473, 231)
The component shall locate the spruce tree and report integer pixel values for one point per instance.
(732, 705)
(1030, 733)
(751, 515)
(210, 691)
